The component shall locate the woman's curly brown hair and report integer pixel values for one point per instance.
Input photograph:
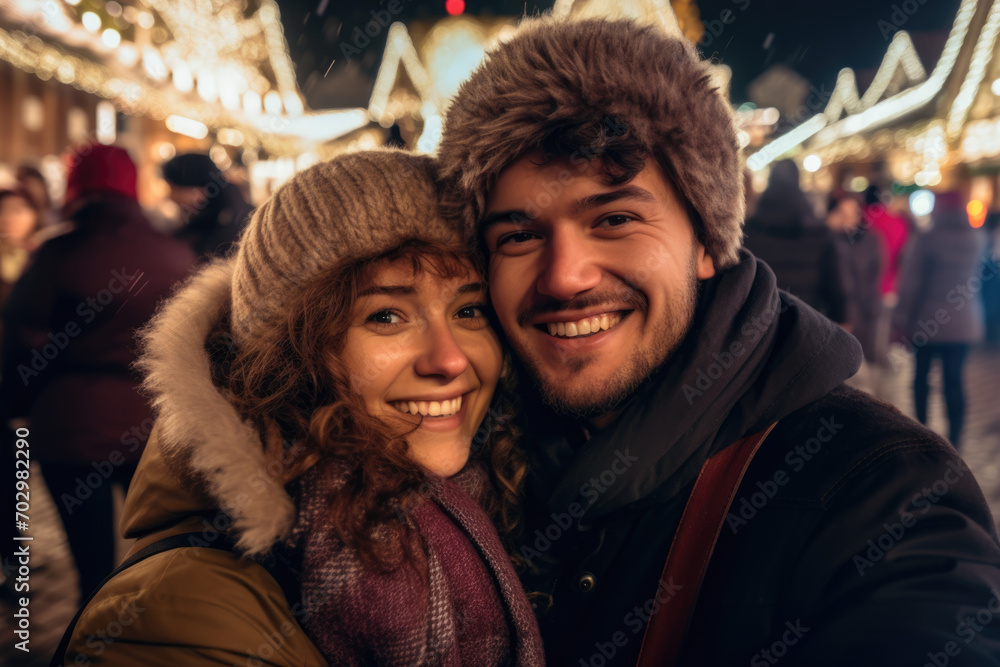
(292, 384)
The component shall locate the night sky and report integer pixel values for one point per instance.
(816, 39)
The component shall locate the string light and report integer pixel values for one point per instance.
(111, 38)
(981, 58)
(91, 21)
(399, 51)
(867, 114)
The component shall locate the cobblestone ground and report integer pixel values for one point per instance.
(980, 445)
(53, 578)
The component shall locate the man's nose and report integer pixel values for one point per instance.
(441, 354)
(569, 266)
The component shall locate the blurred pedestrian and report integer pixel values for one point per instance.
(68, 347)
(893, 229)
(800, 250)
(33, 182)
(861, 254)
(19, 220)
(938, 314)
(213, 209)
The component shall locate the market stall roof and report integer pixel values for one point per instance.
(215, 63)
(901, 90)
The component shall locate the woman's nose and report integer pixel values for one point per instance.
(441, 354)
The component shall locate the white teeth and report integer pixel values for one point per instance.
(430, 408)
(583, 327)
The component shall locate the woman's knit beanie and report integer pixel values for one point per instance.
(555, 74)
(355, 206)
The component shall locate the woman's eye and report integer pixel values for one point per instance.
(468, 312)
(384, 317)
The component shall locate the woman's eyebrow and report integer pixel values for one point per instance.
(387, 289)
(472, 287)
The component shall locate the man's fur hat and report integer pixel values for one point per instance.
(555, 75)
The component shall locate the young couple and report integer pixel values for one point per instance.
(336, 401)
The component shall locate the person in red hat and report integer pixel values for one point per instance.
(68, 347)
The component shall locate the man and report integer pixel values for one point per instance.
(213, 210)
(600, 169)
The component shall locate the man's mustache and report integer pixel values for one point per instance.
(623, 297)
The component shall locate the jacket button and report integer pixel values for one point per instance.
(586, 582)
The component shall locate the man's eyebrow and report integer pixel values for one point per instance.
(633, 192)
(387, 289)
(503, 216)
(602, 198)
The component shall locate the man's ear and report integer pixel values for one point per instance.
(706, 266)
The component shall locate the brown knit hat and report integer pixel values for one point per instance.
(355, 206)
(555, 74)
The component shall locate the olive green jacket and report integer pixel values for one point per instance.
(196, 606)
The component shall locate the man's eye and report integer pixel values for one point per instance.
(384, 317)
(516, 237)
(618, 219)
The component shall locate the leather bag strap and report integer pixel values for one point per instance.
(692, 547)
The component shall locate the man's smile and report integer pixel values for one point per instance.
(588, 325)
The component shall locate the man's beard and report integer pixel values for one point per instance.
(600, 398)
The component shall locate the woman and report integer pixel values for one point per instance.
(19, 220)
(323, 401)
(940, 310)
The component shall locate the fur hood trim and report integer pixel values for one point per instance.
(555, 73)
(197, 425)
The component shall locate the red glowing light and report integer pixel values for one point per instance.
(454, 7)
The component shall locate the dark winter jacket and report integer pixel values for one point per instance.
(857, 536)
(801, 251)
(861, 253)
(940, 283)
(212, 230)
(68, 334)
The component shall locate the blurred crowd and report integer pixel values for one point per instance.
(76, 283)
(898, 286)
